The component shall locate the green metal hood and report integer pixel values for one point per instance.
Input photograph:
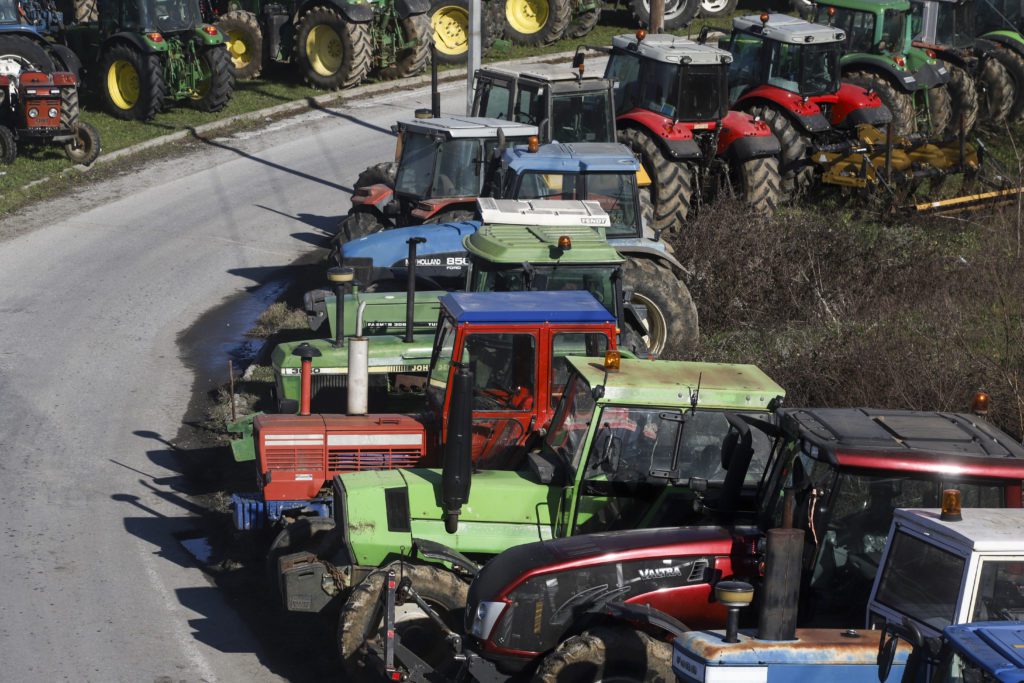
(384, 312)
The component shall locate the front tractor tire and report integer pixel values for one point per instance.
(413, 59)
(331, 52)
(536, 22)
(795, 169)
(608, 653)
(361, 624)
(671, 181)
(900, 103)
(759, 184)
(8, 146)
(85, 148)
(244, 40)
(214, 92)
(669, 328)
(583, 22)
(131, 83)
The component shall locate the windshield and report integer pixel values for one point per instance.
(436, 168)
(441, 361)
(1000, 593)
(168, 16)
(955, 24)
(615, 192)
(921, 581)
(805, 69)
(9, 12)
(858, 26)
(572, 420)
(416, 169)
(586, 117)
(892, 31)
(598, 280)
(703, 94)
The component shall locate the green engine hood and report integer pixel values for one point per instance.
(385, 312)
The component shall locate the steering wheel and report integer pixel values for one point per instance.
(489, 398)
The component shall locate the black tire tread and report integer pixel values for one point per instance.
(797, 176)
(664, 289)
(355, 40)
(8, 146)
(29, 50)
(583, 23)
(760, 184)
(383, 173)
(616, 653)
(671, 181)
(222, 79)
(1013, 62)
(559, 16)
(87, 149)
(900, 103)
(244, 21)
(153, 90)
(997, 100)
(940, 110)
(964, 98)
(411, 60)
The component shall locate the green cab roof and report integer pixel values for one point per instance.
(872, 6)
(539, 244)
(669, 382)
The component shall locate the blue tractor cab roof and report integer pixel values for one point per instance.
(576, 157)
(997, 647)
(525, 307)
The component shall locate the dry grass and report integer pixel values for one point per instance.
(278, 316)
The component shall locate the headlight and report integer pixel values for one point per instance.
(33, 112)
(53, 112)
(484, 618)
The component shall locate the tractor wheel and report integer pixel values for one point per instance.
(383, 173)
(132, 83)
(302, 535)
(646, 211)
(244, 40)
(361, 624)
(492, 24)
(583, 23)
(358, 223)
(86, 10)
(449, 22)
(331, 52)
(451, 216)
(18, 53)
(759, 184)
(536, 22)
(608, 653)
(797, 174)
(413, 59)
(70, 107)
(64, 59)
(85, 148)
(901, 104)
(671, 181)
(996, 92)
(8, 146)
(678, 13)
(214, 92)
(940, 111)
(670, 325)
(1014, 65)
(712, 9)
(964, 98)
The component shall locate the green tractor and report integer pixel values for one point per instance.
(144, 54)
(910, 81)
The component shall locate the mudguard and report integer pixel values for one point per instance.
(409, 8)
(206, 39)
(932, 74)
(744, 137)
(428, 208)
(355, 11)
(651, 250)
(854, 106)
(1011, 40)
(137, 41)
(376, 196)
(806, 114)
(904, 80)
(432, 550)
(678, 144)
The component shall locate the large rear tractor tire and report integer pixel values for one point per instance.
(244, 40)
(670, 326)
(759, 184)
(64, 59)
(86, 10)
(132, 83)
(583, 23)
(85, 148)
(449, 23)
(900, 103)
(331, 52)
(18, 53)
(964, 99)
(361, 624)
(536, 22)
(383, 173)
(608, 653)
(678, 13)
(8, 146)
(451, 216)
(358, 223)
(996, 92)
(940, 112)
(797, 173)
(1014, 65)
(214, 92)
(411, 60)
(671, 181)
(303, 535)
(712, 9)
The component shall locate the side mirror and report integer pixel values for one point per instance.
(736, 461)
(457, 462)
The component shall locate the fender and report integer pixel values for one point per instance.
(985, 47)
(376, 196)
(855, 105)
(743, 138)
(950, 56)
(647, 249)
(427, 208)
(901, 78)
(355, 11)
(135, 40)
(409, 8)
(438, 552)
(932, 73)
(805, 114)
(209, 39)
(676, 142)
(1011, 40)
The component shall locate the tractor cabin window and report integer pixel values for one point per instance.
(581, 118)
(571, 422)
(624, 73)
(495, 99)
(921, 581)
(745, 69)
(1000, 594)
(504, 371)
(858, 26)
(592, 344)
(529, 106)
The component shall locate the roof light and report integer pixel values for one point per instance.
(979, 404)
(640, 35)
(155, 37)
(210, 30)
(764, 17)
(951, 506)
(564, 242)
(831, 11)
(533, 143)
(612, 360)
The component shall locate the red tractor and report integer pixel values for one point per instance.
(672, 104)
(43, 108)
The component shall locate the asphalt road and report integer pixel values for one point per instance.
(94, 291)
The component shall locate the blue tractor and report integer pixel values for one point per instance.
(29, 33)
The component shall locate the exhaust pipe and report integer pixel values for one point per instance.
(340, 277)
(410, 289)
(358, 368)
(780, 595)
(457, 462)
(306, 354)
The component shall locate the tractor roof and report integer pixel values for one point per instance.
(665, 47)
(981, 529)
(671, 383)
(786, 29)
(871, 6)
(467, 127)
(576, 157)
(995, 646)
(539, 245)
(545, 73)
(905, 440)
(552, 212)
(525, 307)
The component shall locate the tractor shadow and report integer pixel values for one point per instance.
(313, 104)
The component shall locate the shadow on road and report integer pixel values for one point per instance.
(313, 104)
(327, 225)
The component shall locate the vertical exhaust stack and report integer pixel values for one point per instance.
(410, 289)
(340, 277)
(306, 354)
(358, 368)
(781, 592)
(457, 462)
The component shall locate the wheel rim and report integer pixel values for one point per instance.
(13, 65)
(654, 323)
(526, 16)
(240, 51)
(323, 46)
(80, 147)
(451, 30)
(123, 84)
(673, 8)
(713, 5)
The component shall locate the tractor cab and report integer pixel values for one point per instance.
(149, 16)
(566, 106)
(874, 27)
(950, 24)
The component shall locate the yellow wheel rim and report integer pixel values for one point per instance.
(241, 53)
(451, 29)
(123, 84)
(526, 16)
(323, 46)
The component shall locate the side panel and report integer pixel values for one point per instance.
(744, 138)
(904, 80)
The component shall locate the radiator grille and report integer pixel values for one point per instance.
(294, 459)
(355, 460)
